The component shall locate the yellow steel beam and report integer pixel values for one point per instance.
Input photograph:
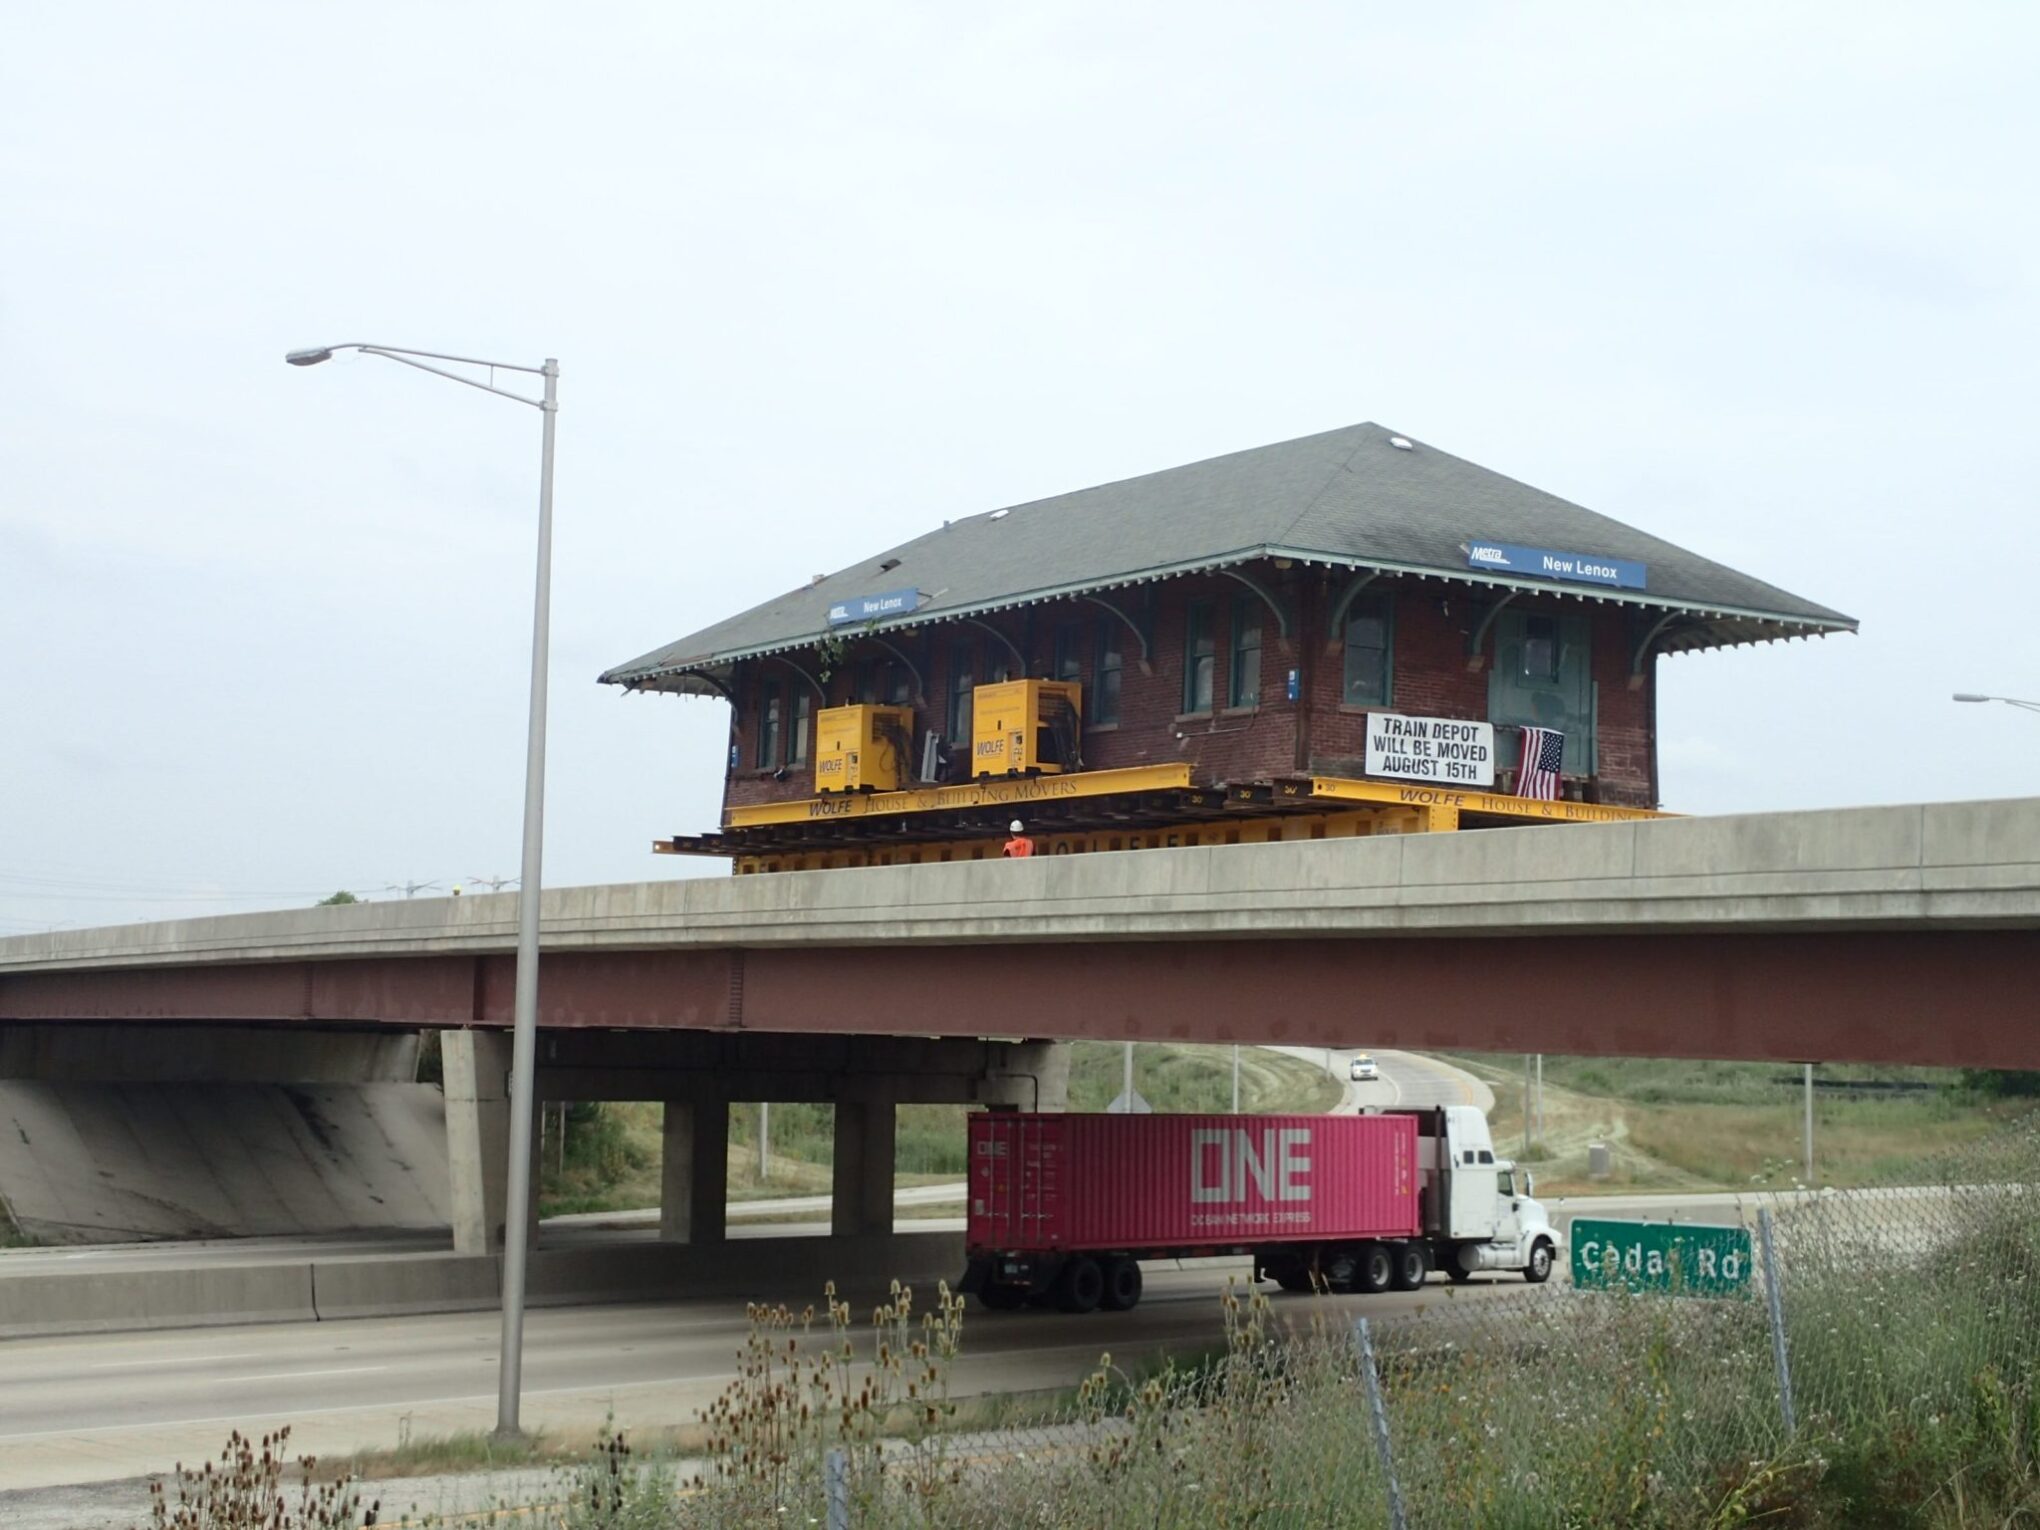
(1349, 824)
(1459, 800)
(940, 799)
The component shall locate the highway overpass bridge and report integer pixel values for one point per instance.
(1884, 935)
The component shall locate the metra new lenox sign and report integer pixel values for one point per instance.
(1583, 568)
(869, 608)
(1430, 749)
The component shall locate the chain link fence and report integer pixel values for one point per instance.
(1910, 1327)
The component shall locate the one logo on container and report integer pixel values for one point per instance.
(1237, 1165)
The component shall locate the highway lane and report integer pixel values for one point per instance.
(1408, 1080)
(94, 1407)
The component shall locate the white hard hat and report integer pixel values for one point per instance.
(1015, 826)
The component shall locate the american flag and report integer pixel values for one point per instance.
(1543, 753)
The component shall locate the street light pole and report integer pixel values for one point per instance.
(524, 1011)
(2010, 701)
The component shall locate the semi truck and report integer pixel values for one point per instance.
(1064, 1207)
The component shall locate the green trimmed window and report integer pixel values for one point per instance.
(1370, 652)
(769, 725)
(1109, 660)
(962, 679)
(803, 724)
(1200, 657)
(1243, 679)
(1069, 651)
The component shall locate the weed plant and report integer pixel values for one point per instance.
(1913, 1330)
(245, 1490)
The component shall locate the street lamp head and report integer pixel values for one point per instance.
(1966, 696)
(309, 358)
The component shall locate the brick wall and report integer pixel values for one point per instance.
(1430, 678)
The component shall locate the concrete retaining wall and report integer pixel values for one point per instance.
(111, 1302)
(303, 1290)
(112, 1163)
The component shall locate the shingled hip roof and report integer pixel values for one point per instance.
(1361, 498)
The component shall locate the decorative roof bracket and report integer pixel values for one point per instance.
(1643, 645)
(726, 689)
(1139, 629)
(1344, 604)
(1475, 639)
(1283, 624)
(1019, 658)
(920, 685)
(821, 691)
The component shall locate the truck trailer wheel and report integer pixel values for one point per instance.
(1122, 1285)
(1412, 1266)
(1538, 1271)
(1082, 1286)
(1377, 1268)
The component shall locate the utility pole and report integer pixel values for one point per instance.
(764, 1141)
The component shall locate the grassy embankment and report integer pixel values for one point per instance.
(613, 1151)
(1681, 1125)
(1914, 1375)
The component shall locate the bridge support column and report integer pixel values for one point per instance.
(695, 1171)
(863, 1180)
(1027, 1075)
(477, 1069)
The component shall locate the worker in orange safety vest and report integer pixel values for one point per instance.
(1019, 846)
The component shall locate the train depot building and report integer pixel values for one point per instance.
(1352, 633)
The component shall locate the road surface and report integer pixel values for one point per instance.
(92, 1407)
(98, 1406)
(1408, 1080)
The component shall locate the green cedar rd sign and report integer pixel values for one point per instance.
(1670, 1258)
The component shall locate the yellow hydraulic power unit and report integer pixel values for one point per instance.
(1026, 727)
(862, 748)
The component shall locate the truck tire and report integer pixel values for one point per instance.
(1082, 1286)
(1459, 1276)
(1340, 1271)
(1377, 1268)
(1122, 1285)
(1538, 1270)
(1412, 1266)
(1000, 1298)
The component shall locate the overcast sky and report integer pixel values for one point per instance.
(1758, 279)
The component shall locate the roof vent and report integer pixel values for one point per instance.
(888, 565)
(1400, 443)
(815, 579)
(1000, 515)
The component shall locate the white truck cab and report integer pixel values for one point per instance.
(1474, 1212)
(1478, 1208)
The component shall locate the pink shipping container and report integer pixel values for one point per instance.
(1060, 1183)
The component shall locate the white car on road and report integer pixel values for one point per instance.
(1364, 1070)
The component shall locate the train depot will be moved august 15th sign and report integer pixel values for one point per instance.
(1446, 749)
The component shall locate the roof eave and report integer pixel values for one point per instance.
(1792, 624)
